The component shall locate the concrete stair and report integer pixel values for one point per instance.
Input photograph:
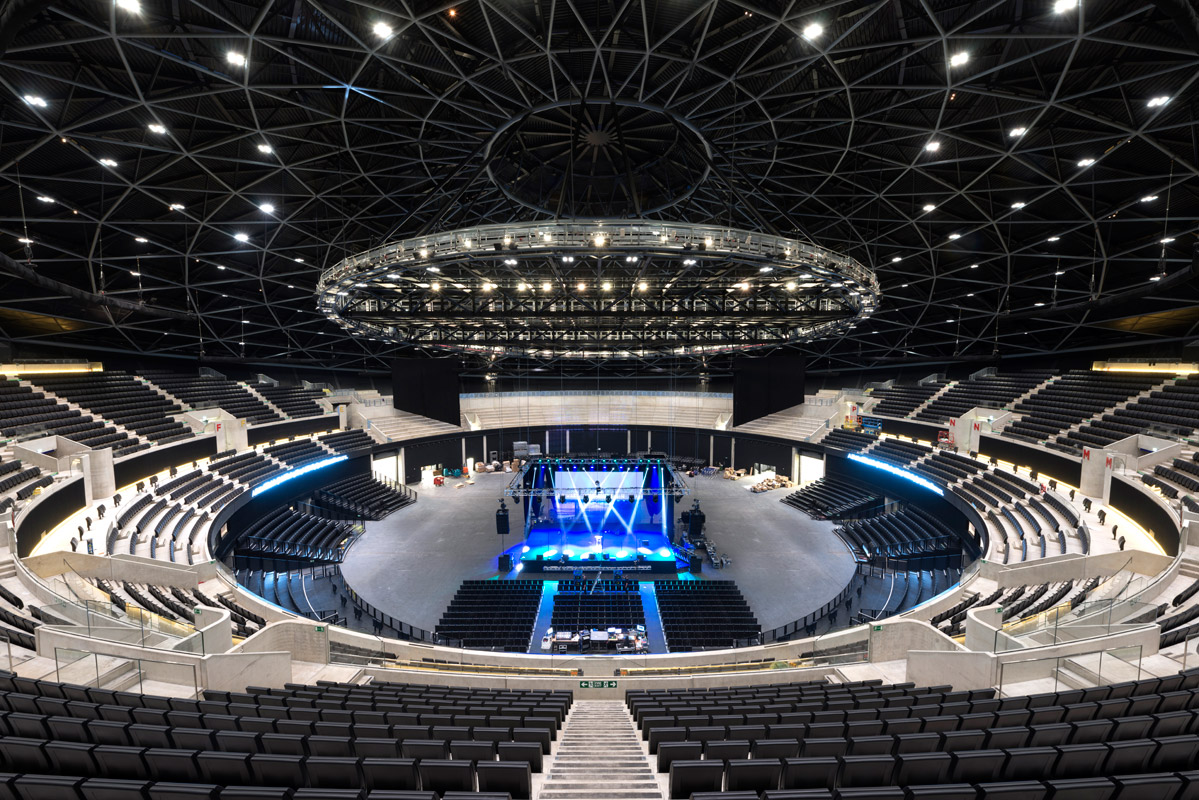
(84, 410)
(600, 757)
(260, 397)
(912, 414)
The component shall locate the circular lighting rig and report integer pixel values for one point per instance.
(598, 289)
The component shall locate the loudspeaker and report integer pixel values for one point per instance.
(696, 564)
(501, 521)
(505, 563)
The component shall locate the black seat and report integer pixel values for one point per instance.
(471, 750)
(521, 751)
(867, 770)
(388, 773)
(424, 748)
(809, 773)
(48, 787)
(726, 749)
(669, 752)
(332, 772)
(443, 776)
(757, 774)
(107, 789)
(513, 777)
(689, 777)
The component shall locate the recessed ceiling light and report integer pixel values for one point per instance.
(953, 236)
(812, 30)
(108, 162)
(970, 295)
(974, 266)
(220, 266)
(933, 146)
(242, 237)
(265, 148)
(1053, 239)
(175, 206)
(929, 207)
(235, 58)
(896, 259)
(156, 128)
(1038, 304)
(45, 199)
(1062, 6)
(958, 59)
(903, 285)
(1017, 204)
(290, 286)
(34, 100)
(1016, 133)
(141, 240)
(266, 208)
(1166, 240)
(1060, 272)
(1149, 198)
(1086, 162)
(382, 30)
(1158, 101)
(299, 261)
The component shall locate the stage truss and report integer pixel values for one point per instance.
(516, 487)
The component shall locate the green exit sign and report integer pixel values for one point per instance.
(597, 684)
(320, 628)
(878, 627)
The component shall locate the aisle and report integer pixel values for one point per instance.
(599, 757)
(653, 619)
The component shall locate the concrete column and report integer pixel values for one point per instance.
(401, 471)
(1096, 480)
(464, 453)
(231, 435)
(795, 465)
(711, 450)
(628, 442)
(568, 440)
(649, 440)
(99, 480)
(486, 460)
(733, 453)
(343, 416)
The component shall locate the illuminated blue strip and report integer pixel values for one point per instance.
(295, 473)
(894, 470)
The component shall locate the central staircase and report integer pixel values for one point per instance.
(599, 757)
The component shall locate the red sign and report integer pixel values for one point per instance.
(1086, 454)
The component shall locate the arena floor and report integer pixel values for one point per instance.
(410, 564)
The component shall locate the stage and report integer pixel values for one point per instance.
(592, 515)
(554, 552)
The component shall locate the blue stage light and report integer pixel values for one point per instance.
(524, 549)
(519, 566)
(622, 553)
(568, 553)
(295, 473)
(645, 551)
(553, 551)
(664, 552)
(896, 471)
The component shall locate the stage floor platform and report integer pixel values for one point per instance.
(411, 563)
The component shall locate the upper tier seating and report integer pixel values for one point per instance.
(202, 391)
(297, 453)
(347, 441)
(1073, 397)
(990, 391)
(24, 412)
(899, 401)
(847, 440)
(704, 615)
(361, 496)
(829, 498)
(909, 531)
(294, 401)
(122, 399)
(286, 532)
(1173, 409)
(492, 615)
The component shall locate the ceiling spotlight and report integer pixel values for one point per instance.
(156, 128)
(1062, 6)
(242, 237)
(565, 260)
(382, 30)
(933, 146)
(974, 266)
(1016, 133)
(522, 286)
(1158, 101)
(582, 287)
(299, 261)
(812, 30)
(141, 240)
(606, 286)
(44, 199)
(765, 269)
(790, 286)
(108, 162)
(23, 240)
(599, 240)
(1038, 305)
(642, 286)
(958, 59)
(1053, 239)
(266, 208)
(435, 286)
(424, 252)
(236, 59)
(487, 287)
(1155, 278)
(434, 269)
(1017, 204)
(1086, 162)
(34, 100)
(546, 286)
(971, 294)
(1166, 240)
(1060, 272)
(547, 236)
(896, 259)
(466, 242)
(222, 266)
(511, 262)
(175, 206)
(929, 207)
(135, 273)
(132, 6)
(953, 236)
(1149, 198)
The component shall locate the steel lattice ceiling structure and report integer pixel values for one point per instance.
(1002, 199)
